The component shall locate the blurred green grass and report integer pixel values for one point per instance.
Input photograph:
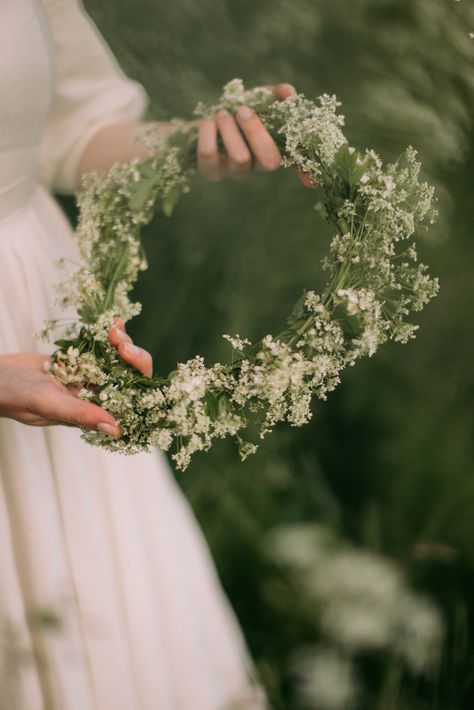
(388, 461)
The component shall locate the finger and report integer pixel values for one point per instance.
(117, 336)
(262, 144)
(283, 91)
(67, 409)
(239, 156)
(137, 357)
(119, 322)
(207, 153)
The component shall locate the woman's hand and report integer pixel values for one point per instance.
(115, 143)
(257, 148)
(34, 397)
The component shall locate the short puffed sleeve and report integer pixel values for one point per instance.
(90, 91)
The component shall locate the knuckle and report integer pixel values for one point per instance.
(224, 117)
(74, 420)
(80, 415)
(204, 124)
(41, 404)
(118, 336)
(31, 420)
(253, 126)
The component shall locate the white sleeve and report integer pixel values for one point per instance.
(90, 91)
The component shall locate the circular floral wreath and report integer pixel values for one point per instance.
(374, 283)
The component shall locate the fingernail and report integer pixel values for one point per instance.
(244, 112)
(131, 349)
(109, 429)
(223, 112)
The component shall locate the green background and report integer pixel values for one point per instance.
(387, 462)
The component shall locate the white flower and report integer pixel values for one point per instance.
(325, 679)
(237, 342)
(162, 438)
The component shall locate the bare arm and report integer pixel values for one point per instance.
(113, 144)
(246, 140)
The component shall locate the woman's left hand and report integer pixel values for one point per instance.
(247, 142)
(137, 357)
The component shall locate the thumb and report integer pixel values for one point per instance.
(72, 411)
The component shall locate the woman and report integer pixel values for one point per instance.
(105, 544)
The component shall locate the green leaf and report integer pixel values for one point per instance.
(299, 311)
(224, 406)
(210, 403)
(141, 191)
(351, 325)
(349, 166)
(87, 314)
(64, 344)
(170, 200)
(320, 207)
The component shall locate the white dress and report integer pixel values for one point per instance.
(104, 543)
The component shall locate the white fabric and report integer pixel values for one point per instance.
(106, 543)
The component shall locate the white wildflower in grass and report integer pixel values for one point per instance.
(326, 679)
(360, 604)
(375, 282)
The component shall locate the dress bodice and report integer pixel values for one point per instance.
(59, 83)
(26, 95)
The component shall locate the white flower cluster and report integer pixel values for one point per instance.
(375, 282)
(363, 605)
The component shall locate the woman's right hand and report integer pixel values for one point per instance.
(32, 396)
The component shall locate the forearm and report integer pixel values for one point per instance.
(243, 141)
(113, 144)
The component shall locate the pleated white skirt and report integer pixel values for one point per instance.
(109, 599)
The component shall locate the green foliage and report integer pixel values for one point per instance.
(349, 166)
(388, 460)
(140, 192)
